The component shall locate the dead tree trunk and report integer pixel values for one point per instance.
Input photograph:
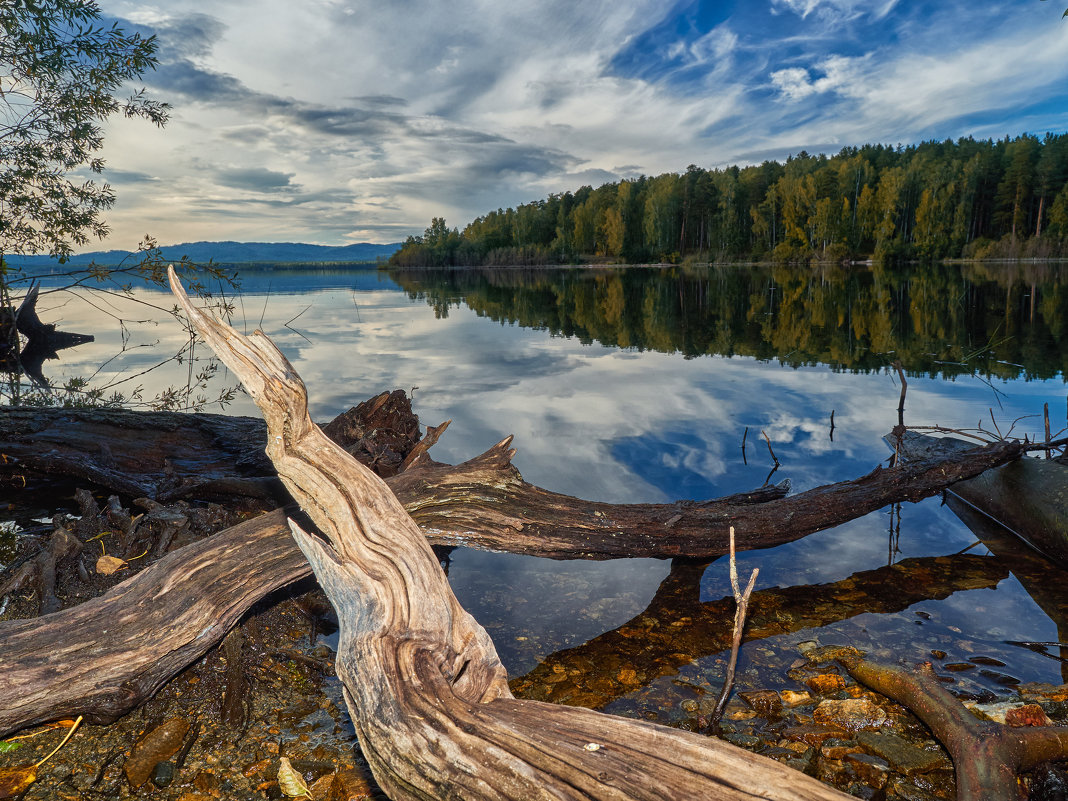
(43, 341)
(106, 656)
(426, 691)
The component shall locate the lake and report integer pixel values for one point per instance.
(641, 384)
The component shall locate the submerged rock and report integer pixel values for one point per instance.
(851, 714)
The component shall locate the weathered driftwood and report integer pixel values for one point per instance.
(987, 756)
(426, 691)
(43, 341)
(485, 503)
(104, 657)
(482, 503)
(1029, 497)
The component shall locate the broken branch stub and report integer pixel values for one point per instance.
(425, 688)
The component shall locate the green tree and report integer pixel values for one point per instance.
(61, 71)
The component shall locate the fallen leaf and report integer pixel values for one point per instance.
(291, 782)
(107, 565)
(14, 781)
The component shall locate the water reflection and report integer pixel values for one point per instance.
(676, 628)
(998, 320)
(637, 386)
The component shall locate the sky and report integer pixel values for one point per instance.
(343, 121)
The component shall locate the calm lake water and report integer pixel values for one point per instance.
(638, 385)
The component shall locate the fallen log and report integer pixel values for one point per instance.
(485, 503)
(426, 691)
(106, 656)
(481, 503)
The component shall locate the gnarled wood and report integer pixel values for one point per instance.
(426, 691)
(106, 656)
(485, 503)
(986, 756)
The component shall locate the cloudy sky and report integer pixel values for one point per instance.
(341, 121)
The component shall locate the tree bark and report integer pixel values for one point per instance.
(987, 757)
(428, 696)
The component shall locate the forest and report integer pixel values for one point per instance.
(973, 199)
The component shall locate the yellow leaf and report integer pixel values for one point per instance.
(290, 781)
(14, 781)
(106, 565)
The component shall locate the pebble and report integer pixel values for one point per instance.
(792, 698)
(154, 747)
(870, 769)
(837, 748)
(750, 741)
(902, 755)
(825, 683)
(764, 702)
(163, 775)
(812, 734)
(1027, 715)
(851, 714)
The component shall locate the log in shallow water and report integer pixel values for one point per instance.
(481, 503)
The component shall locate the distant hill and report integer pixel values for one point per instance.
(232, 253)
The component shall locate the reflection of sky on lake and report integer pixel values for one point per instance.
(611, 425)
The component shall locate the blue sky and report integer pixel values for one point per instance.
(338, 121)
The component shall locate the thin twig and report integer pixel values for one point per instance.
(832, 425)
(904, 389)
(742, 604)
(1045, 415)
(774, 458)
(744, 435)
(995, 422)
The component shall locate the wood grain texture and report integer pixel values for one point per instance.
(105, 656)
(481, 503)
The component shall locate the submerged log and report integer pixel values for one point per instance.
(677, 628)
(481, 503)
(426, 691)
(987, 757)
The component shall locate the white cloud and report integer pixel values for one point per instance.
(835, 10)
(343, 121)
(796, 83)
